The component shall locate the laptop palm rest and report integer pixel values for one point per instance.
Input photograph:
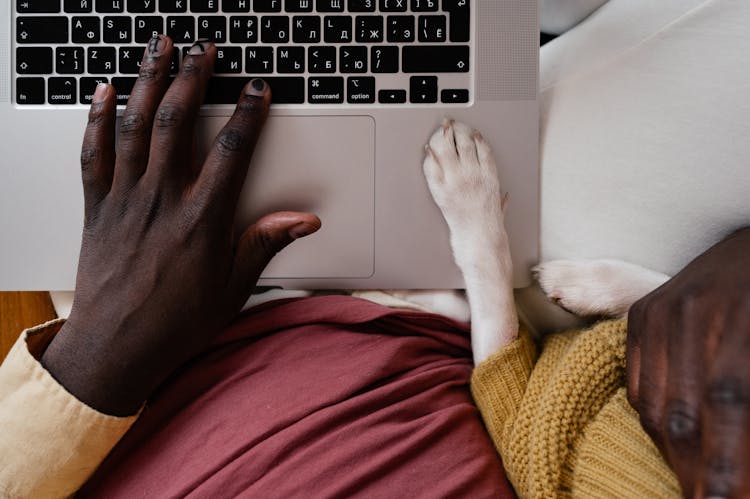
(297, 166)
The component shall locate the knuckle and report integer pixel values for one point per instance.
(191, 69)
(133, 124)
(252, 106)
(169, 115)
(89, 156)
(727, 392)
(682, 425)
(722, 473)
(230, 141)
(148, 73)
(96, 114)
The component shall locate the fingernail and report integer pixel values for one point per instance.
(199, 47)
(257, 87)
(301, 230)
(155, 45)
(99, 93)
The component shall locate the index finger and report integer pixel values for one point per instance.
(223, 173)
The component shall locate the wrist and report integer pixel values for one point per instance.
(92, 367)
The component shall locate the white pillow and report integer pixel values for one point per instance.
(558, 16)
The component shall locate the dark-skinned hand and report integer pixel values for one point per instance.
(688, 366)
(161, 270)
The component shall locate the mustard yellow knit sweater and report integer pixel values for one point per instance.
(562, 422)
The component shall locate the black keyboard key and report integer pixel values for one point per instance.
(392, 96)
(325, 90)
(212, 28)
(337, 29)
(78, 6)
(267, 5)
(436, 59)
(423, 89)
(87, 86)
(147, 27)
(431, 29)
(321, 59)
(259, 60)
(384, 59)
(393, 5)
(142, 6)
(30, 90)
(362, 5)
(243, 29)
(400, 29)
(173, 6)
(123, 88)
(129, 60)
(285, 89)
(101, 60)
(460, 19)
(204, 5)
(228, 60)
(69, 60)
(425, 5)
(117, 30)
(290, 60)
(306, 29)
(353, 59)
(369, 29)
(109, 6)
(41, 29)
(181, 29)
(34, 60)
(85, 29)
(330, 5)
(37, 6)
(454, 96)
(274, 29)
(360, 90)
(235, 5)
(298, 5)
(62, 90)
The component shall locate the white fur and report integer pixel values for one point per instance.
(596, 287)
(462, 178)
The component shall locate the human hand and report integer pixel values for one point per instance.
(688, 370)
(161, 270)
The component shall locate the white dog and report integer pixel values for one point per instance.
(462, 178)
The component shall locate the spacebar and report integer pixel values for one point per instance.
(285, 90)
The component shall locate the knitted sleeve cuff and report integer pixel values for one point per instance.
(499, 383)
(50, 441)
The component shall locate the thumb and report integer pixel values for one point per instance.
(262, 240)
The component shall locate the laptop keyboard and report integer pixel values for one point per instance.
(312, 52)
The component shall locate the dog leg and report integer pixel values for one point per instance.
(462, 178)
(596, 287)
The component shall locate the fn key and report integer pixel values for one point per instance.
(30, 90)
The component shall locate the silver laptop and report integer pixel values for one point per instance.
(359, 86)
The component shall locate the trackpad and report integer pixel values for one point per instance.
(323, 165)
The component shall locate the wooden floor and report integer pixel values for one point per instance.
(19, 310)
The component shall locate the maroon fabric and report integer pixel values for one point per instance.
(321, 397)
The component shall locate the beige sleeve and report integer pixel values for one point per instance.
(50, 442)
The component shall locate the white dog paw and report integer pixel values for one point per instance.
(462, 176)
(596, 287)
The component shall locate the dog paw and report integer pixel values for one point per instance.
(596, 287)
(462, 176)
